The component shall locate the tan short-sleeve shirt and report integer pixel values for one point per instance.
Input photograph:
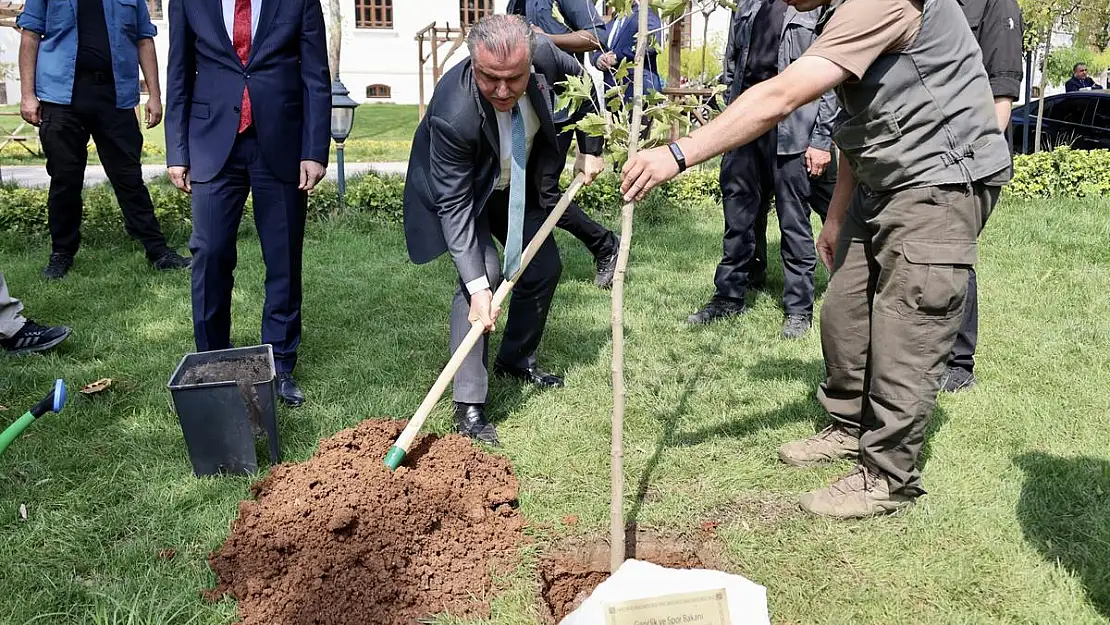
(862, 30)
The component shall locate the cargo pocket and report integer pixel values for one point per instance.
(936, 276)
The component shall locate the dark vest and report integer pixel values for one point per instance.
(923, 116)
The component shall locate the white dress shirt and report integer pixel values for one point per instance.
(505, 130)
(229, 17)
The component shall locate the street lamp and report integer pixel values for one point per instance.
(342, 120)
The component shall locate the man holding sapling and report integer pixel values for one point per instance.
(481, 157)
(922, 161)
(580, 33)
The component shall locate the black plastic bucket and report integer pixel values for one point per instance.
(216, 414)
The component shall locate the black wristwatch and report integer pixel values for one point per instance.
(679, 157)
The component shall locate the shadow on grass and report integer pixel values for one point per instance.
(772, 369)
(1064, 511)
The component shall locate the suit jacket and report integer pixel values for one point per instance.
(286, 74)
(624, 46)
(810, 125)
(456, 159)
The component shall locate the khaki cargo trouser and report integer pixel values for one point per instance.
(891, 314)
(10, 319)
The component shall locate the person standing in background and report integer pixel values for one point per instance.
(79, 72)
(249, 95)
(998, 27)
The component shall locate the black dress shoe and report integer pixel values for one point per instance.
(287, 390)
(470, 419)
(170, 261)
(719, 307)
(58, 266)
(607, 266)
(532, 375)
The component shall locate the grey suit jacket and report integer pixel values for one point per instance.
(810, 125)
(456, 159)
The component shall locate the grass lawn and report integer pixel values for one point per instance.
(382, 133)
(1016, 528)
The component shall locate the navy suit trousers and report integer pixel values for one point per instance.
(279, 216)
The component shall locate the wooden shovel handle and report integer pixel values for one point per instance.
(404, 441)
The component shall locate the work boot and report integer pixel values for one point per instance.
(796, 326)
(607, 266)
(170, 261)
(957, 379)
(718, 307)
(33, 337)
(860, 494)
(58, 266)
(831, 443)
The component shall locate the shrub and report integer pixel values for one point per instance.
(378, 197)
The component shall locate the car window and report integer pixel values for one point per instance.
(1070, 110)
(1102, 114)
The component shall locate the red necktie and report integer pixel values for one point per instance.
(242, 32)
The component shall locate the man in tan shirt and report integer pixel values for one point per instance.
(922, 160)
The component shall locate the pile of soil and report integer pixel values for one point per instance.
(570, 576)
(339, 538)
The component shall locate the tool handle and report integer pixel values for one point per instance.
(401, 447)
(14, 430)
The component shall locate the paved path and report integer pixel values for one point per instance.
(35, 175)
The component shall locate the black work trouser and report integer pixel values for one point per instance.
(963, 352)
(749, 174)
(597, 238)
(65, 132)
(820, 196)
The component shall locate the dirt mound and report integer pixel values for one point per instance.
(341, 539)
(569, 577)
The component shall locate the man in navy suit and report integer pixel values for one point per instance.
(619, 38)
(248, 107)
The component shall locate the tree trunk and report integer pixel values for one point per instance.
(616, 511)
(335, 36)
(1040, 103)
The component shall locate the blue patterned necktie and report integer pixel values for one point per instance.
(514, 237)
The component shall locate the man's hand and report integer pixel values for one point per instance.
(607, 61)
(826, 243)
(153, 112)
(179, 176)
(30, 110)
(589, 165)
(645, 171)
(480, 309)
(311, 173)
(817, 161)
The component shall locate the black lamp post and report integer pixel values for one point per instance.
(342, 120)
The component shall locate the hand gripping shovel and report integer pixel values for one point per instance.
(396, 454)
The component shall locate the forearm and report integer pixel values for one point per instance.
(842, 192)
(578, 41)
(28, 59)
(756, 111)
(1003, 109)
(148, 62)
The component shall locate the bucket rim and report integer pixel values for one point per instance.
(264, 349)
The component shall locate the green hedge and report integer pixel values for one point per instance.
(1060, 173)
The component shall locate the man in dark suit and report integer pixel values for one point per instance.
(480, 158)
(248, 112)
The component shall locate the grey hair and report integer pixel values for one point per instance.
(501, 35)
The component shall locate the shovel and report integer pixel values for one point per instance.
(54, 401)
(396, 454)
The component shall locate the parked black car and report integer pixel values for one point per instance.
(1080, 119)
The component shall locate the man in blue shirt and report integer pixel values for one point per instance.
(579, 34)
(79, 70)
